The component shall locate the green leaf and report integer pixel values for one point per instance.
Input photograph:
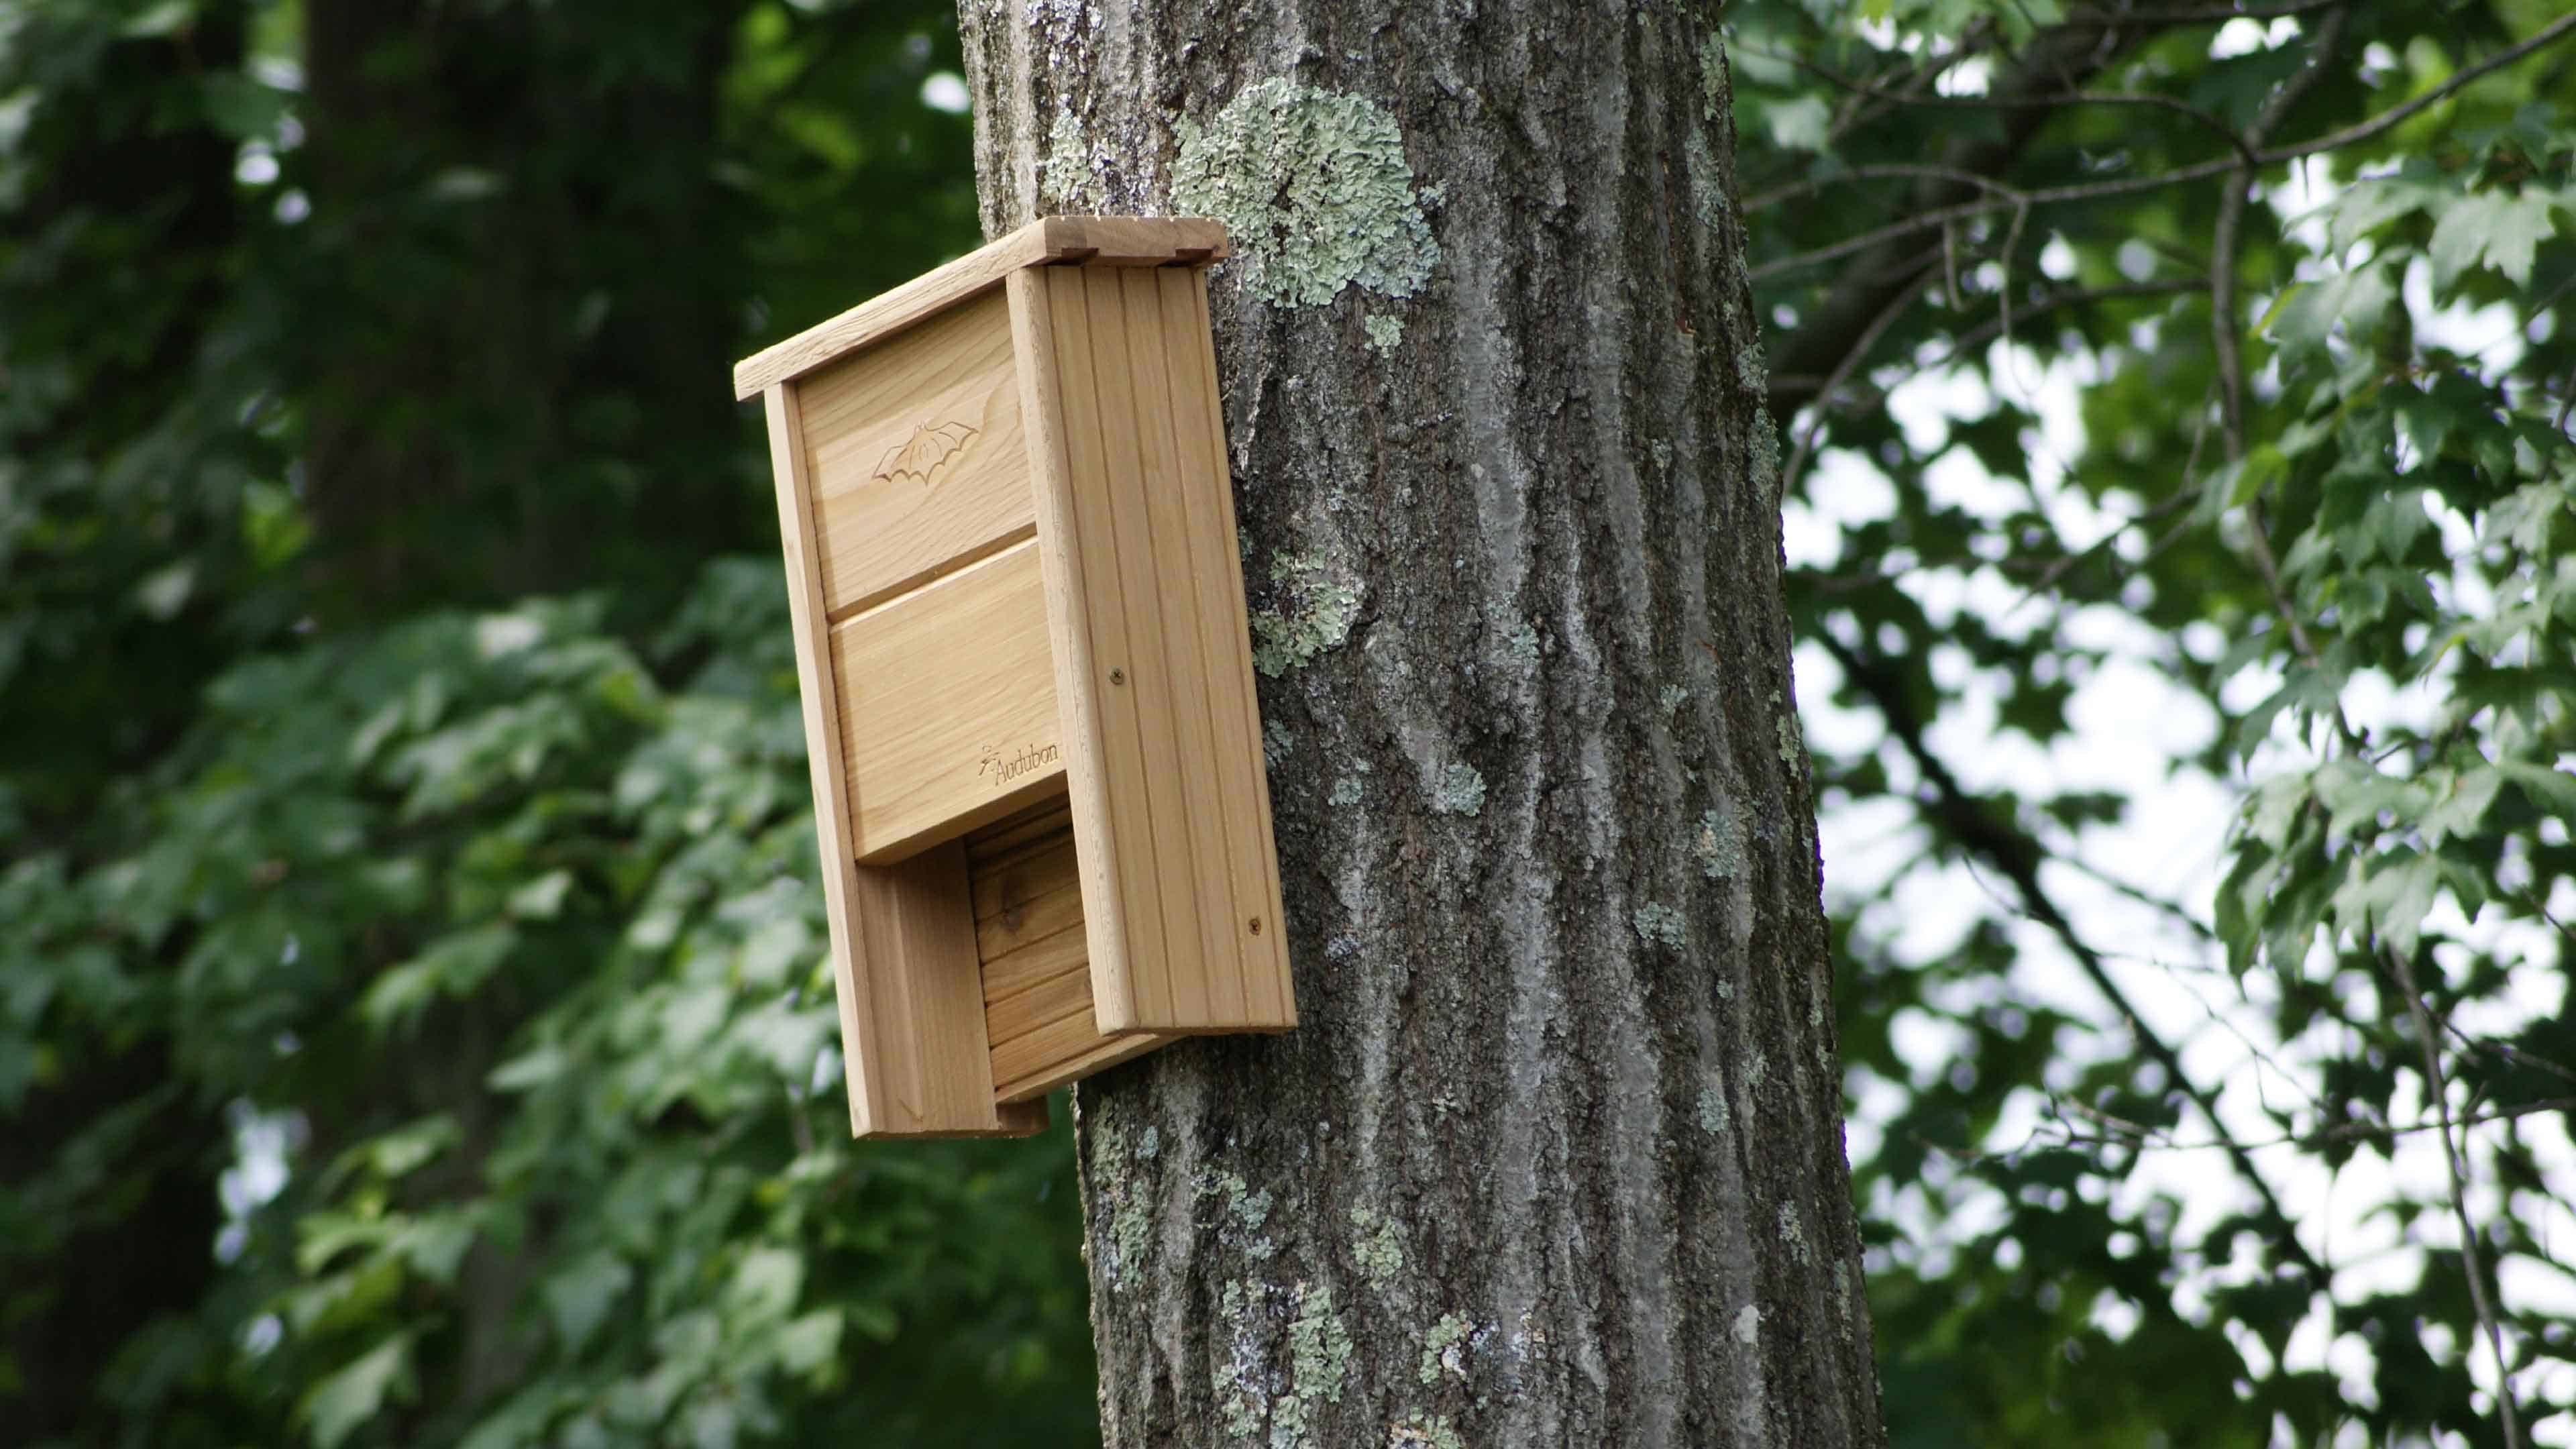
(2309, 314)
(337, 1405)
(766, 1283)
(2501, 230)
(580, 1295)
(2460, 808)
(1801, 124)
(2366, 206)
(810, 1341)
(541, 899)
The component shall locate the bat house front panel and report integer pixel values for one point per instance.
(916, 456)
(948, 706)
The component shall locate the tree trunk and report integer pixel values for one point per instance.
(1557, 1155)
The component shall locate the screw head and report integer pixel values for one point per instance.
(1256, 925)
(1118, 676)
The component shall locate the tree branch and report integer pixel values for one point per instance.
(2009, 850)
(2138, 1137)
(2199, 171)
(2472, 1261)
(2049, 100)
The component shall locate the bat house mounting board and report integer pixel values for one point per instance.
(1027, 682)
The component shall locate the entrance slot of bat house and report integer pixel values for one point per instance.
(1029, 944)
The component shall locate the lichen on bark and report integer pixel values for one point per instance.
(1313, 189)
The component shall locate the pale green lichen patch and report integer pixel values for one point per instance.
(1708, 199)
(1424, 1431)
(1311, 612)
(1249, 1210)
(1346, 791)
(1319, 1357)
(1672, 698)
(1766, 454)
(1748, 1325)
(1379, 1248)
(1069, 168)
(1785, 721)
(1276, 742)
(1385, 330)
(1793, 1235)
(1444, 1348)
(1131, 1223)
(1458, 791)
(1751, 370)
(1516, 639)
(1314, 191)
(1714, 1115)
(1712, 76)
(1235, 1378)
(1658, 924)
(1720, 845)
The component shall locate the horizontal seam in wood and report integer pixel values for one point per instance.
(1080, 1008)
(1026, 946)
(902, 589)
(1028, 904)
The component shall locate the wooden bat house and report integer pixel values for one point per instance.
(1027, 683)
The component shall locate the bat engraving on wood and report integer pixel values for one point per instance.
(930, 447)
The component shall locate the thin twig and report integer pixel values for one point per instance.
(2144, 897)
(2046, 101)
(1806, 448)
(2138, 1137)
(2224, 324)
(2199, 171)
(2428, 1037)
(2012, 851)
(2197, 14)
(1890, 172)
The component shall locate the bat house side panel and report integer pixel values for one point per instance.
(1256, 926)
(1129, 941)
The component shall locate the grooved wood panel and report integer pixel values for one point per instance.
(1135, 518)
(1027, 896)
(904, 963)
(948, 708)
(916, 456)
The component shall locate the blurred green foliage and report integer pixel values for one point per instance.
(2348, 551)
(414, 1026)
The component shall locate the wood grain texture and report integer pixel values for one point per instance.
(1062, 1052)
(1037, 979)
(1135, 506)
(947, 707)
(1101, 241)
(915, 456)
(1250, 849)
(1067, 570)
(925, 992)
(821, 700)
(905, 973)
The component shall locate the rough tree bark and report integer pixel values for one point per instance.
(1557, 1156)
